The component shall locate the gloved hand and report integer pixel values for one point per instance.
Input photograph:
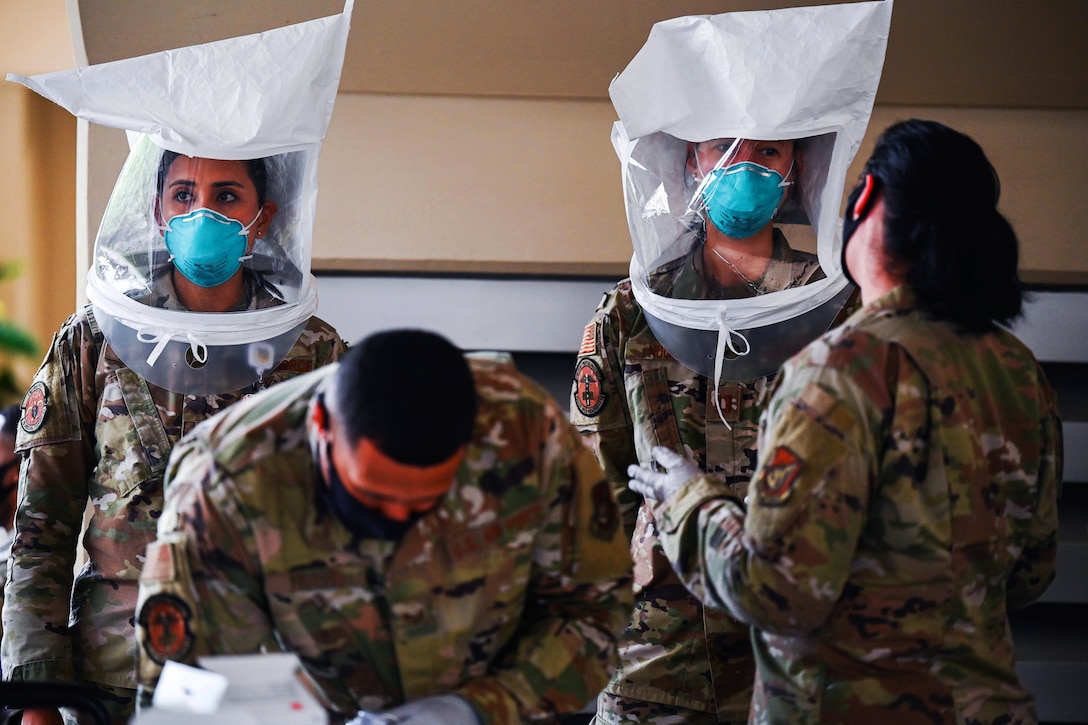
(438, 709)
(659, 486)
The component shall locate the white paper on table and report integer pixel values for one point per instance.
(182, 688)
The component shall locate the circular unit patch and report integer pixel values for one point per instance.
(35, 405)
(167, 634)
(589, 396)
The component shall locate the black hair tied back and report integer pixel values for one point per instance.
(942, 222)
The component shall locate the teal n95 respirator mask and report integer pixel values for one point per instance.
(206, 246)
(742, 198)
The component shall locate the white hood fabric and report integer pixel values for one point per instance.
(787, 73)
(240, 98)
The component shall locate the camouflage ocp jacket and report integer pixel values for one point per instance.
(511, 593)
(905, 500)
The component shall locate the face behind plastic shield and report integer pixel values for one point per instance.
(138, 292)
(748, 328)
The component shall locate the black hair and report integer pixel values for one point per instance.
(793, 205)
(942, 226)
(256, 168)
(10, 414)
(409, 391)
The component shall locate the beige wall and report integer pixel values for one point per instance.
(523, 185)
(470, 184)
(38, 180)
(474, 136)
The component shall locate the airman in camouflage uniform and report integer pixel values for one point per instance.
(510, 593)
(93, 433)
(677, 659)
(909, 467)
(870, 560)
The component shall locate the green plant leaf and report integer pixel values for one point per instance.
(15, 340)
(10, 270)
(10, 390)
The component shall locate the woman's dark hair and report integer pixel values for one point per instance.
(942, 225)
(793, 205)
(411, 392)
(256, 168)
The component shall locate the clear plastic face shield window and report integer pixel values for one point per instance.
(201, 274)
(733, 238)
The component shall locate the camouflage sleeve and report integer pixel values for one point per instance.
(598, 405)
(55, 438)
(1035, 568)
(323, 339)
(781, 564)
(578, 599)
(200, 590)
(852, 305)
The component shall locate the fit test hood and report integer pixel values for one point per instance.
(806, 73)
(264, 96)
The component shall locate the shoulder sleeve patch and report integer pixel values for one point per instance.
(168, 633)
(589, 395)
(64, 386)
(775, 483)
(35, 406)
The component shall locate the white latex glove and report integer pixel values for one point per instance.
(438, 709)
(659, 486)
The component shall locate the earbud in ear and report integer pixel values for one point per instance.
(864, 197)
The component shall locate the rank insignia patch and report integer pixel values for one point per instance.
(730, 398)
(167, 633)
(35, 405)
(776, 480)
(589, 397)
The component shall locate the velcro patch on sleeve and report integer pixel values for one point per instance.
(166, 623)
(589, 393)
(160, 563)
(775, 482)
(35, 405)
(589, 340)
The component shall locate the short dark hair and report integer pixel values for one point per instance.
(256, 168)
(941, 222)
(409, 391)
